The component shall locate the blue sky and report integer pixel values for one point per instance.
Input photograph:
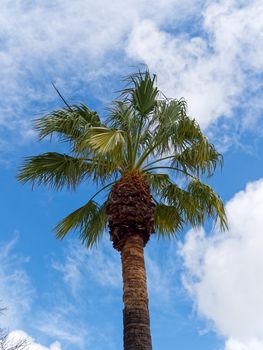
(206, 287)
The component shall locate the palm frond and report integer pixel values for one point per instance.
(174, 130)
(121, 117)
(68, 123)
(157, 182)
(55, 170)
(200, 158)
(103, 169)
(104, 141)
(196, 203)
(143, 93)
(161, 130)
(209, 202)
(89, 220)
(167, 220)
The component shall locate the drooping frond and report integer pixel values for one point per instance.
(157, 182)
(60, 170)
(167, 220)
(89, 220)
(55, 170)
(68, 123)
(190, 204)
(196, 203)
(209, 202)
(200, 158)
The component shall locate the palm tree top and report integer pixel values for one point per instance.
(145, 134)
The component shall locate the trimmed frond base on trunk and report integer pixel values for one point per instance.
(130, 209)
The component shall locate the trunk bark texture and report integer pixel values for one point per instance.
(136, 320)
(130, 211)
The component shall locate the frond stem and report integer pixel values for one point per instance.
(130, 150)
(144, 156)
(171, 168)
(102, 189)
(158, 160)
(62, 98)
(137, 141)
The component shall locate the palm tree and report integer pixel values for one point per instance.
(150, 158)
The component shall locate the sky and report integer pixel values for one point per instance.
(206, 287)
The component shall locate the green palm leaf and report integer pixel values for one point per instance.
(68, 123)
(208, 202)
(104, 142)
(157, 182)
(143, 92)
(167, 220)
(55, 170)
(89, 220)
(122, 117)
(174, 130)
(196, 203)
(200, 158)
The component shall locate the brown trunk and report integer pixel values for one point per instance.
(136, 318)
(130, 212)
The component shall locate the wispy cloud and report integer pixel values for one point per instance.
(162, 274)
(60, 322)
(16, 290)
(100, 265)
(18, 295)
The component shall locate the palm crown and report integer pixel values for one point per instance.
(145, 133)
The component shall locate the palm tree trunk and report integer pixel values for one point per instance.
(136, 320)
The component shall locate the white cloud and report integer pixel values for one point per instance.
(214, 69)
(224, 271)
(18, 335)
(252, 344)
(16, 291)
